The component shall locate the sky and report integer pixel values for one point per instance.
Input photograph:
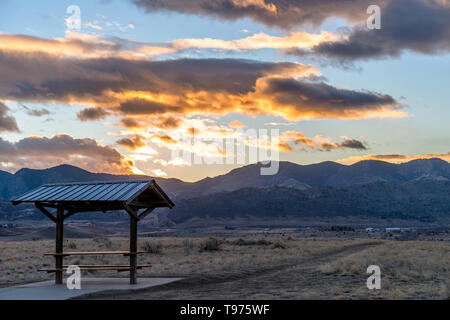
(124, 86)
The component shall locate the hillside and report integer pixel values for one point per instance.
(26, 179)
(418, 200)
(415, 190)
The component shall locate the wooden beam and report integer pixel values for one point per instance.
(146, 204)
(49, 205)
(44, 211)
(105, 206)
(133, 249)
(145, 213)
(162, 194)
(133, 213)
(163, 198)
(59, 245)
(86, 253)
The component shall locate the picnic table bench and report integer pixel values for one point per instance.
(120, 267)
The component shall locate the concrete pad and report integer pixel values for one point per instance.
(48, 290)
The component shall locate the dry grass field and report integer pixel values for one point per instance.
(253, 268)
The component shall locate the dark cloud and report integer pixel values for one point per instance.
(7, 122)
(318, 143)
(421, 26)
(129, 123)
(354, 144)
(283, 14)
(168, 123)
(324, 99)
(39, 76)
(389, 156)
(347, 144)
(142, 107)
(90, 114)
(181, 87)
(42, 152)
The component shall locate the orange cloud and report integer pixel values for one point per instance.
(164, 138)
(131, 143)
(42, 152)
(150, 89)
(88, 46)
(318, 142)
(293, 40)
(236, 124)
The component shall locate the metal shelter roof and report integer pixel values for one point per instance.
(145, 192)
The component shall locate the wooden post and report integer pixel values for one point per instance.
(133, 249)
(59, 245)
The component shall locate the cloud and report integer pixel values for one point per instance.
(42, 152)
(277, 124)
(421, 26)
(167, 122)
(353, 144)
(261, 40)
(303, 99)
(73, 45)
(90, 114)
(7, 122)
(317, 143)
(129, 123)
(163, 138)
(178, 162)
(159, 173)
(93, 26)
(416, 25)
(81, 45)
(132, 143)
(142, 122)
(185, 87)
(394, 158)
(236, 124)
(274, 13)
(35, 112)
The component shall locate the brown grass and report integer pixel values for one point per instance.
(411, 270)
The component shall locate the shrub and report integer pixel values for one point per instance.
(279, 245)
(152, 247)
(188, 245)
(71, 245)
(210, 244)
(105, 241)
(250, 242)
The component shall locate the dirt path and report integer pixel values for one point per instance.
(292, 278)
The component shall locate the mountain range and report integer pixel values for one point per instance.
(414, 190)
